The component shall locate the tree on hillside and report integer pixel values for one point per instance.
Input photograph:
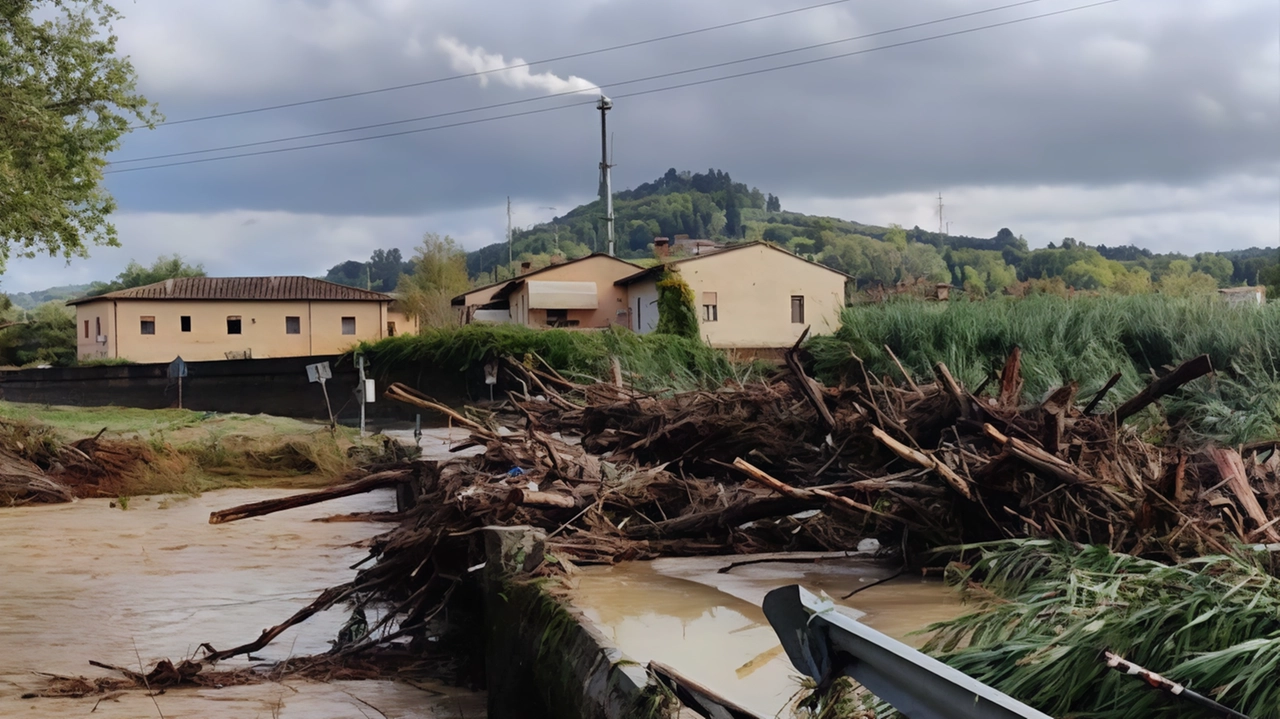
(439, 274)
(380, 273)
(66, 98)
(135, 275)
(1270, 277)
(1181, 281)
(772, 204)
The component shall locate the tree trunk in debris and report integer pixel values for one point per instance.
(257, 509)
(1187, 371)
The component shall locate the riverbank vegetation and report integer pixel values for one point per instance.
(648, 362)
(120, 452)
(1045, 612)
(1084, 340)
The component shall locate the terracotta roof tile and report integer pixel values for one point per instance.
(241, 288)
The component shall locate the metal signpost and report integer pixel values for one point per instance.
(320, 372)
(177, 370)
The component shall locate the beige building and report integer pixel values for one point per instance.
(748, 296)
(213, 318)
(1244, 296)
(578, 293)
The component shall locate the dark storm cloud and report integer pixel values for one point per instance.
(1137, 91)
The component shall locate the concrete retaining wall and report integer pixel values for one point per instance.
(543, 659)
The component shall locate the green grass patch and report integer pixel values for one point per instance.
(1085, 340)
(651, 362)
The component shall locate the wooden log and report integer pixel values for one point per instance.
(530, 498)
(808, 387)
(1101, 394)
(953, 389)
(785, 489)
(410, 396)
(957, 482)
(1011, 379)
(1231, 466)
(374, 481)
(1055, 415)
(1036, 457)
(912, 383)
(1187, 371)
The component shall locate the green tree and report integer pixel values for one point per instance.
(676, 312)
(1216, 266)
(1180, 281)
(920, 260)
(897, 237)
(43, 336)
(1270, 277)
(439, 275)
(135, 275)
(66, 99)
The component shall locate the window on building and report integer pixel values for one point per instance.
(148, 325)
(86, 329)
(557, 318)
(185, 321)
(710, 307)
(348, 325)
(797, 309)
(293, 325)
(391, 329)
(233, 325)
(97, 327)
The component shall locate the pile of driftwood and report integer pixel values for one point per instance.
(35, 466)
(612, 474)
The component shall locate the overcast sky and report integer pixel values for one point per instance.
(1152, 122)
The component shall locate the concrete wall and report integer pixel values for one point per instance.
(754, 286)
(262, 328)
(260, 386)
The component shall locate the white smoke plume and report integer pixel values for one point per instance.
(464, 58)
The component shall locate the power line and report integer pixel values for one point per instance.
(481, 73)
(510, 103)
(695, 83)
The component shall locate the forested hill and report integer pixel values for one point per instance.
(711, 205)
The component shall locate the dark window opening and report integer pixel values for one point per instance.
(97, 326)
(797, 309)
(185, 321)
(391, 329)
(348, 325)
(233, 325)
(293, 325)
(148, 325)
(86, 329)
(710, 313)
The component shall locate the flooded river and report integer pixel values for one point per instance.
(84, 581)
(709, 626)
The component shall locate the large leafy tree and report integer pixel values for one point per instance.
(439, 274)
(66, 98)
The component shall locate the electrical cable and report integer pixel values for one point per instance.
(480, 73)
(539, 98)
(633, 94)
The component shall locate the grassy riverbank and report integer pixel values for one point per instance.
(171, 451)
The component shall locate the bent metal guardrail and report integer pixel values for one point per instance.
(823, 643)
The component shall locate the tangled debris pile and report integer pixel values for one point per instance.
(35, 466)
(791, 465)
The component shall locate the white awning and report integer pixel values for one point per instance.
(549, 295)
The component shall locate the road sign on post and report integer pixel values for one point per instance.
(178, 370)
(319, 372)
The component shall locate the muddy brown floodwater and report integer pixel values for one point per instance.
(709, 626)
(84, 581)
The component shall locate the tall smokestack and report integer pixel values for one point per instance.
(606, 186)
